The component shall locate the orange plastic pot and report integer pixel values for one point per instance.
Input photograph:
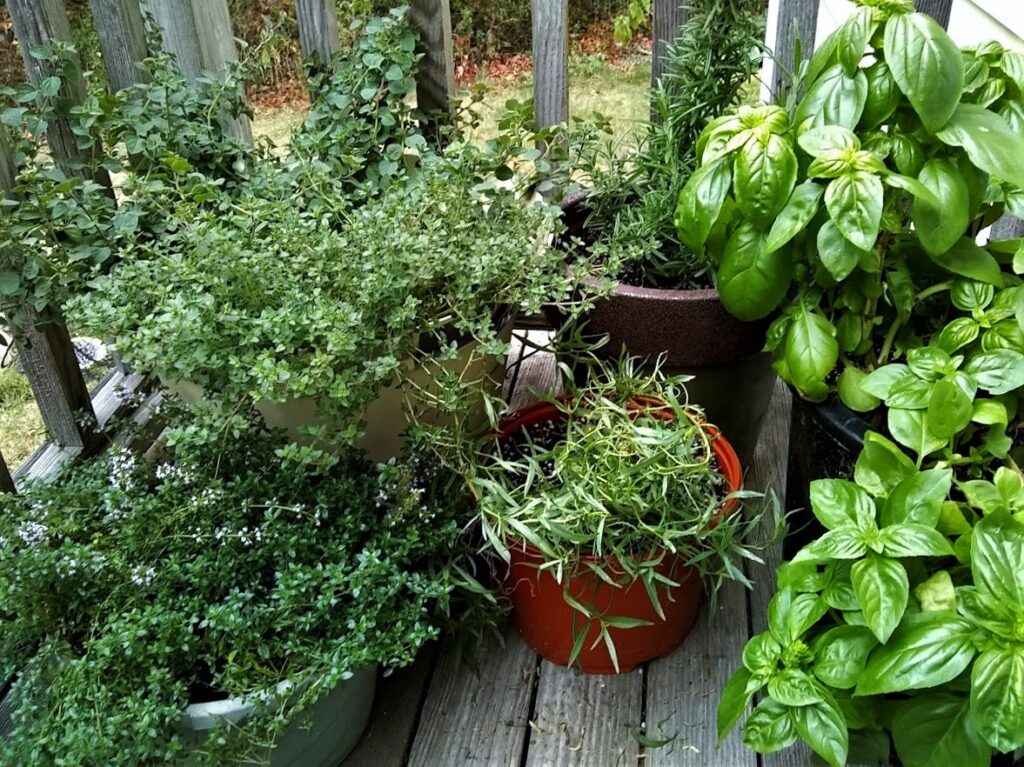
(551, 626)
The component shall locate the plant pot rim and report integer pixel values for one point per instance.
(535, 412)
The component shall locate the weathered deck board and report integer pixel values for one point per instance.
(581, 720)
(477, 719)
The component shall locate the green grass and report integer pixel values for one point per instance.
(21, 426)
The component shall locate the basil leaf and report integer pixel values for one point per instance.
(957, 334)
(701, 201)
(736, 696)
(840, 655)
(795, 217)
(811, 352)
(937, 594)
(752, 281)
(928, 650)
(990, 412)
(936, 731)
(909, 429)
(761, 655)
(764, 175)
(998, 372)
(838, 254)
(854, 202)
(883, 591)
(989, 142)
(883, 95)
(930, 363)
(824, 138)
(790, 615)
(909, 392)
(969, 259)
(939, 226)
(839, 503)
(949, 409)
(770, 728)
(918, 498)
(835, 98)
(912, 540)
(997, 551)
(823, 728)
(852, 393)
(881, 466)
(969, 295)
(997, 698)
(926, 65)
(853, 38)
(793, 687)
(844, 543)
(880, 381)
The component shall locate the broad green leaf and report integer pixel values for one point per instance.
(969, 295)
(881, 465)
(853, 38)
(935, 730)
(880, 381)
(751, 280)
(852, 393)
(910, 392)
(795, 217)
(835, 98)
(918, 498)
(938, 227)
(824, 138)
(761, 655)
(838, 254)
(764, 175)
(997, 698)
(839, 503)
(770, 728)
(957, 334)
(969, 259)
(822, 727)
(912, 540)
(927, 650)
(989, 142)
(910, 430)
(930, 363)
(844, 543)
(883, 95)
(997, 551)
(937, 594)
(840, 655)
(883, 591)
(949, 409)
(927, 66)
(913, 187)
(9, 283)
(736, 696)
(854, 202)
(990, 412)
(1012, 64)
(998, 372)
(701, 201)
(811, 352)
(793, 687)
(790, 615)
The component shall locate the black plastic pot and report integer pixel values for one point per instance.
(824, 441)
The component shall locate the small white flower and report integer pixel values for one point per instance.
(32, 533)
(143, 577)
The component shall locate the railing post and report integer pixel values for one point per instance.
(198, 34)
(40, 22)
(669, 17)
(937, 9)
(435, 83)
(551, 62)
(122, 34)
(318, 30)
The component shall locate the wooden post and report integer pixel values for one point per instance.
(796, 19)
(6, 482)
(40, 22)
(669, 17)
(122, 34)
(318, 30)
(937, 9)
(435, 84)
(551, 62)
(198, 34)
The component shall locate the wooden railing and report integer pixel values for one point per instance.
(198, 33)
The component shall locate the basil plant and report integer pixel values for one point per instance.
(905, 617)
(853, 208)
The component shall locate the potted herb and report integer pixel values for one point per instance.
(203, 610)
(609, 505)
(854, 208)
(663, 300)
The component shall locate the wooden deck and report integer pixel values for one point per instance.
(520, 711)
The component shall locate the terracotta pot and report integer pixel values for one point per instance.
(551, 626)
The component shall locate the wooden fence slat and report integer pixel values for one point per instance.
(198, 34)
(40, 22)
(318, 30)
(551, 62)
(669, 17)
(6, 482)
(797, 19)
(435, 83)
(937, 9)
(122, 34)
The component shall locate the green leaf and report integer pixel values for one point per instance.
(939, 226)
(793, 687)
(883, 591)
(838, 254)
(843, 543)
(937, 594)
(988, 140)
(834, 98)
(764, 175)
(998, 372)
(927, 650)
(852, 392)
(918, 498)
(790, 615)
(700, 203)
(9, 283)
(936, 731)
(752, 281)
(926, 65)
(929, 363)
(839, 503)
(761, 655)
(822, 727)
(969, 259)
(854, 202)
(853, 38)
(997, 551)
(840, 655)
(770, 728)
(912, 540)
(817, 141)
(883, 95)
(910, 430)
(795, 217)
(879, 382)
(736, 696)
(949, 409)
(881, 465)
(997, 698)
(957, 334)
(990, 412)
(811, 352)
